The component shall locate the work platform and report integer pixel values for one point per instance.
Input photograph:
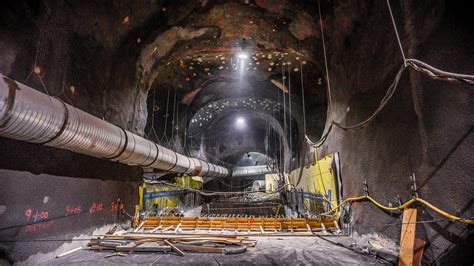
(238, 224)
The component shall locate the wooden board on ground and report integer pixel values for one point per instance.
(144, 247)
(159, 242)
(419, 247)
(199, 249)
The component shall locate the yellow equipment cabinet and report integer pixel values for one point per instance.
(320, 183)
(271, 182)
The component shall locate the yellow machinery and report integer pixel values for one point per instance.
(271, 182)
(161, 196)
(319, 182)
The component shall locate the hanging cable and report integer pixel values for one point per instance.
(177, 121)
(284, 114)
(280, 142)
(36, 55)
(289, 108)
(424, 67)
(166, 114)
(382, 104)
(417, 65)
(172, 121)
(396, 33)
(153, 115)
(232, 186)
(185, 135)
(325, 59)
(413, 63)
(44, 86)
(302, 97)
(218, 160)
(435, 73)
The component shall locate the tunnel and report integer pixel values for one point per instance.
(209, 132)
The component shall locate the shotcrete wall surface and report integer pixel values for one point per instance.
(426, 129)
(39, 213)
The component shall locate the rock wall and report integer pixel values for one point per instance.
(84, 53)
(426, 129)
(68, 50)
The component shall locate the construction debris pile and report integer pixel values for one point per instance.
(124, 243)
(224, 235)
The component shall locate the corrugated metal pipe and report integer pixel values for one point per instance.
(32, 116)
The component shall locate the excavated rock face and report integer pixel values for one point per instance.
(199, 85)
(170, 70)
(426, 128)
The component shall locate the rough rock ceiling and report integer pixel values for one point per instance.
(231, 58)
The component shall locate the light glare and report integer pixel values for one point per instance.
(242, 55)
(240, 123)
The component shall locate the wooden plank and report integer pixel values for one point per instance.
(191, 236)
(156, 229)
(139, 227)
(177, 228)
(176, 249)
(199, 249)
(336, 225)
(407, 238)
(68, 252)
(323, 229)
(167, 228)
(309, 228)
(419, 247)
(116, 254)
(144, 247)
(112, 243)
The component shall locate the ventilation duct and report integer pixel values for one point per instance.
(32, 116)
(251, 170)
